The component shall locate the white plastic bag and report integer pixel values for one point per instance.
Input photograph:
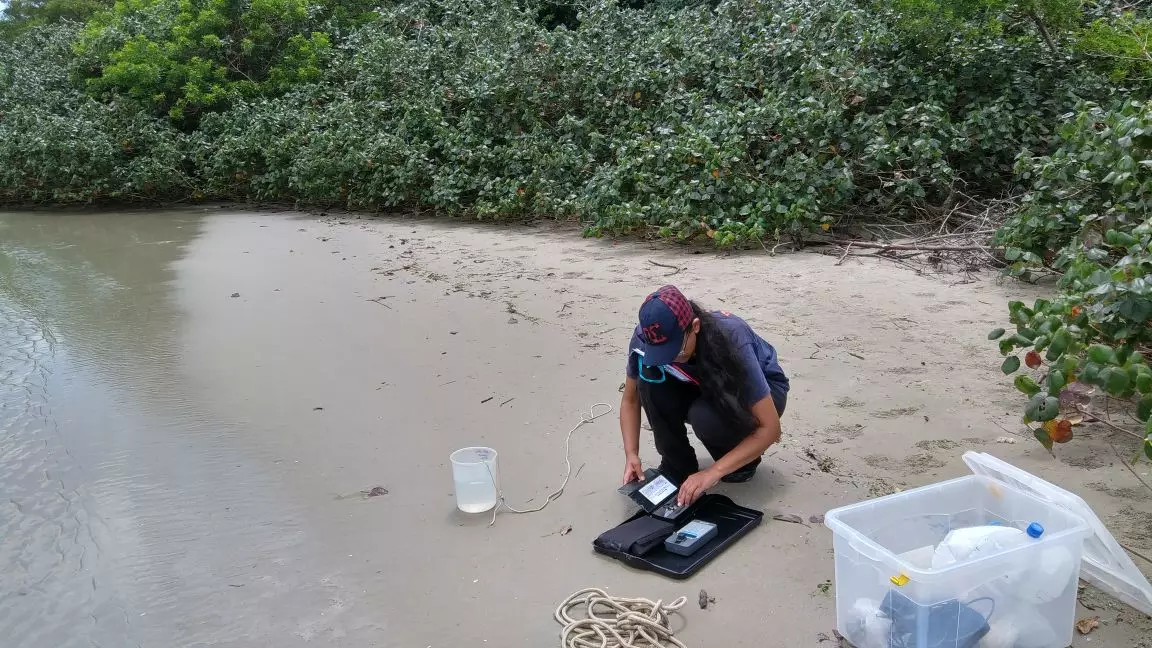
(867, 628)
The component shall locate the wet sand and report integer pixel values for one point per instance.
(183, 466)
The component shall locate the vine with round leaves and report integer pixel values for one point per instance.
(1095, 338)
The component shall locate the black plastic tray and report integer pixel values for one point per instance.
(732, 521)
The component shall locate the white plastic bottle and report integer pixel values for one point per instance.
(1043, 578)
(972, 543)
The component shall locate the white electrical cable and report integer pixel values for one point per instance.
(502, 502)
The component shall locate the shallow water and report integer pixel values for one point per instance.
(130, 513)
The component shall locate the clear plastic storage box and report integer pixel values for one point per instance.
(898, 584)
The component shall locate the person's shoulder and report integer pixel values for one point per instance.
(729, 319)
(634, 339)
(733, 324)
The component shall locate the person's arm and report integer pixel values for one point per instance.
(763, 437)
(630, 431)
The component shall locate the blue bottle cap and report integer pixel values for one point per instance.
(1035, 530)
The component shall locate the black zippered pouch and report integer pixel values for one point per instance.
(636, 536)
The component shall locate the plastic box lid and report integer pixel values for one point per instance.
(1105, 563)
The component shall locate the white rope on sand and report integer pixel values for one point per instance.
(502, 502)
(616, 622)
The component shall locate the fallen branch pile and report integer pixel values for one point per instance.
(956, 239)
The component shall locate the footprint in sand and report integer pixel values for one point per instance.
(904, 370)
(937, 444)
(1120, 492)
(838, 432)
(895, 413)
(938, 308)
(912, 464)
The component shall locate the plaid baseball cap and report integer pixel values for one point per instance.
(664, 316)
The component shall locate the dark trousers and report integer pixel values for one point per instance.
(672, 404)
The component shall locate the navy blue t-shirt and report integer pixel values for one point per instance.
(764, 375)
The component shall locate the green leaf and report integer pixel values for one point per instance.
(1144, 408)
(1056, 382)
(1018, 313)
(1021, 340)
(1136, 309)
(1032, 410)
(1103, 355)
(1040, 343)
(1122, 354)
(1116, 381)
(1027, 385)
(1043, 437)
(1090, 374)
(1059, 343)
(1010, 365)
(1006, 345)
(996, 334)
(1049, 409)
(1144, 383)
(1069, 366)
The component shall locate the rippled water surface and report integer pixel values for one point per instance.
(130, 514)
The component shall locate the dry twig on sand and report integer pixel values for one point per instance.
(674, 269)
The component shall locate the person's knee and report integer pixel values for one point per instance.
(659, 397)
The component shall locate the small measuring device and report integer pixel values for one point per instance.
(656, 495)
(690, 537)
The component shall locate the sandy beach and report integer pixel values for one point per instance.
(316, 357)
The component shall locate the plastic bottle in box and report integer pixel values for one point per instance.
(1044, 578)
(885, 545)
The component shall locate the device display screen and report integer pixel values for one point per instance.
(658, 489)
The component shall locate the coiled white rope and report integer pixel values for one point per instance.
(616, 622)
(503, 502)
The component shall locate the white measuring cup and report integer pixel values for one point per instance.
(476, 474)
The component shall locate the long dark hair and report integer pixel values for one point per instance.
(722, 378)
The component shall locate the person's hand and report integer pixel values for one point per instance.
(633, 471)
(695, 485)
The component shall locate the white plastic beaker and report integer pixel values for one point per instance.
(476, 474)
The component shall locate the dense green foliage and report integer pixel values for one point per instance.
(747, 121)
(182, 57)
(59, 146)
(1088, 216)
(21, 15)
